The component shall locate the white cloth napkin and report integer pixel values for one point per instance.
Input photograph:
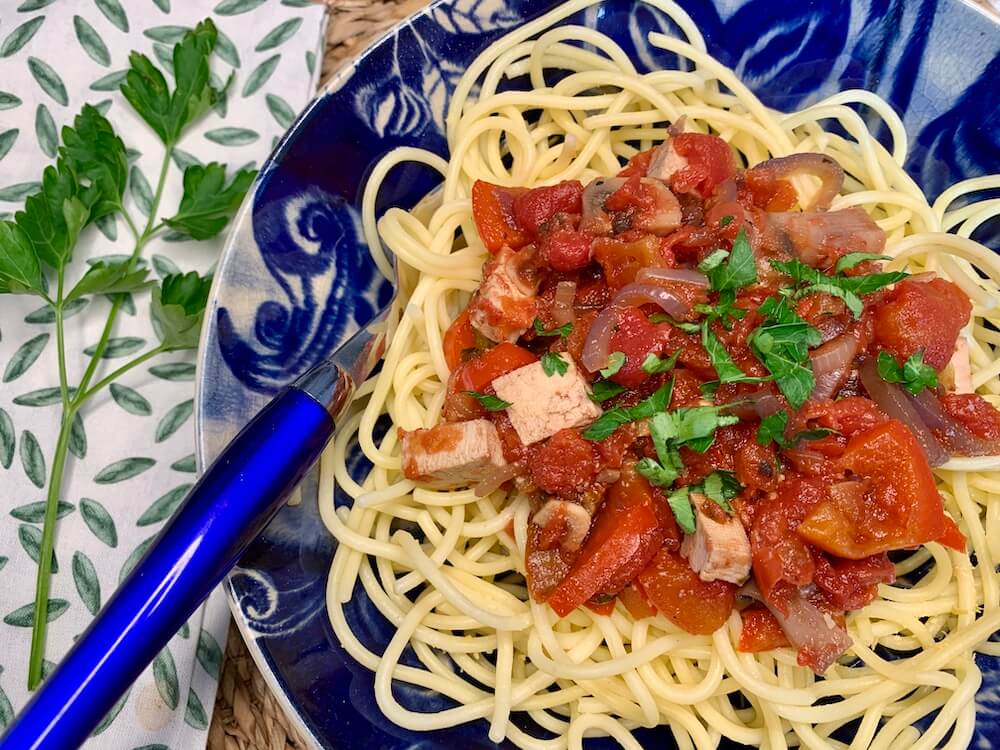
(53, 59)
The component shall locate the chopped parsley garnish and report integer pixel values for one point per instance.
(552, 363)
(913, 374)
(724, 310)
(692, 427)
(726, 220)
(738, 270)
(616, 361)
(654, 364)
(727, 370)
(782, 343)
(720, 487)
(772, 429)
(612, 419)
(603, 390)
(564, 330)
(680, 504)
(847, 288)
(488, 402)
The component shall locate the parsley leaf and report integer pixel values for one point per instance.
(564, 330)
(20, 272)
(552, 363)
(146, 89)
(680, 504)
(612, 419)
(658, 475)
(178, 306)
(724, 366)
(724, 310)
(603, 390)
(739, 270)
(852, 260)
(720, 487)
(208, 202)
(713, 261)
(782, 343)
(109, 278)
(772, 428)
(654, 364)
(726, 220)
(95, 152)
(913, 374)
(53, 217)
(488, 402)
(616, 361)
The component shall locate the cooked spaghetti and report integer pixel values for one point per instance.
(747, 360)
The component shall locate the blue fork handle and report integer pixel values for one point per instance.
(223, 513)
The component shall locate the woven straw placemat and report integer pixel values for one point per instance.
(247, 716)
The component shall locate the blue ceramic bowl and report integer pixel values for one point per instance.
(296, 279)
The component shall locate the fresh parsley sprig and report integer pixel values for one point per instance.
(913, 374)
(87, 183)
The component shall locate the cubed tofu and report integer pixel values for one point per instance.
(665, 162)
(719, 550)
(504, 307)
(957, 374)
(453, 453)
(541, 405)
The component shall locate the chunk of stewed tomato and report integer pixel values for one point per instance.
(922, 316)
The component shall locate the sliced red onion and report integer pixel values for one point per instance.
(817, 636)
(682, 275)
(759, 404)
(636, 293)
(562, 305)
(955, 436)
(894, 402)
(598, 344)
(829, 172)
(494, 477)
(831, 364)
(816, 237)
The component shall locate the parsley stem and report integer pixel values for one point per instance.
(61, 340)
(44, 576)
(43, 580)
(113, 376)
(131, 225)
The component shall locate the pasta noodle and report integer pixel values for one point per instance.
(457, 596)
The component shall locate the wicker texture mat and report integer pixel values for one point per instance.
(247, 716)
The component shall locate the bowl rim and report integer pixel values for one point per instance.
(341, 76)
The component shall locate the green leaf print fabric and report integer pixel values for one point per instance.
(132, 448)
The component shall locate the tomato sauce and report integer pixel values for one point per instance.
(822, 495)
